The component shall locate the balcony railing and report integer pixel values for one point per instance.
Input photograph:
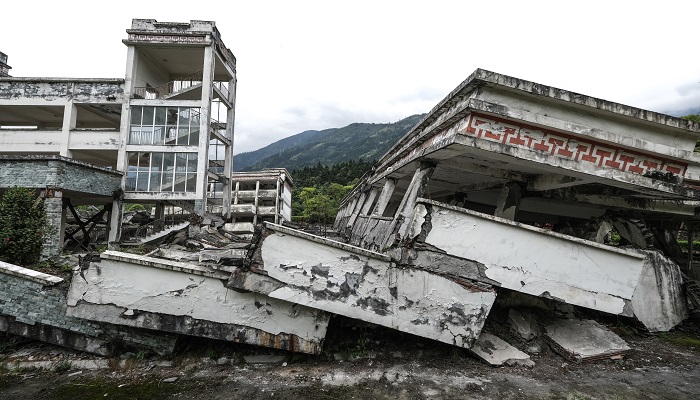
(170, 88)
(176, 86)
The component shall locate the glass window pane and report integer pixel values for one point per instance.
(136, 115)
(179, 182)
(194, 117)
(160, 116)
(131, 180)
(182, 135)
(184, 119)
(194, 136)
(191, 183)
(147, 116)
(155, 182)
(192, 162)
(180, 162)
(157, 162)
(158, 134)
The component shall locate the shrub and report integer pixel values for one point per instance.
(22, 226)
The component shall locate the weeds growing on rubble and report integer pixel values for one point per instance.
(681, 339)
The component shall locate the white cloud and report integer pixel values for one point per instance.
(317, 64)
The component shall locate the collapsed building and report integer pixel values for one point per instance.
(507, 188)
(505, 185)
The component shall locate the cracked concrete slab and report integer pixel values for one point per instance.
(536, 261)
(584, 340)
(364, 285)
(144, 292)
(497, 352)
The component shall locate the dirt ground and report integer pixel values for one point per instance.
(361, 362)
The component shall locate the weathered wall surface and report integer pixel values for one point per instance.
(531, 260)
(49, 89)
(34, 306)
(177, 297)
(360, 284)
(57, 172)
(658, 300)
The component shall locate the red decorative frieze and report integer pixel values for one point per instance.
(144, 38)
(570, 147)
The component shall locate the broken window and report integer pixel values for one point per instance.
(178, 126)
(162, 172)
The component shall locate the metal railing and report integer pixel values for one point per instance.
(169, 88)
(139, 233)
(177, 86)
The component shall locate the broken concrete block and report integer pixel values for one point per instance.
(631, 232)
(534, 260)
(357, 283)
(658, 300)
(584, 340)
(151, 293)
(496, 352)
(522, 324)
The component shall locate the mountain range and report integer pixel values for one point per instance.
(365, 141)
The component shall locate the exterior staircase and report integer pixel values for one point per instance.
(155, 230)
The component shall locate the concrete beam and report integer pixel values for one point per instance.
(146, 292)
(361, 284)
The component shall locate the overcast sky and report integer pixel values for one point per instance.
(322, 64)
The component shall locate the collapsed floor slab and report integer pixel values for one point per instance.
(584, 340)
(539, 262)
(146, 292)
(496, 352)
(357, 283)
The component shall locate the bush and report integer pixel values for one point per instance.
(22, 226)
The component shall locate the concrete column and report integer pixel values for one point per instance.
(277, 202)
(204, 131)
(70, 114)
(255, 208)
(404, 213)
(356, 211)
(56, 218)
(369, 201)
(384, 197)
(159, 215)
(509, 200)
(115, 221)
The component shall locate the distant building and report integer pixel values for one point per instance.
(260, 196)
(4, 68)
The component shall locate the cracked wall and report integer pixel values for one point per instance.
(359, 284)
(177, 297)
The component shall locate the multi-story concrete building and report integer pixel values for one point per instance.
(260, 196)
(163, 134)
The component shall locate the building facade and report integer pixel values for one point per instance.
(166, 128)
(260, 196)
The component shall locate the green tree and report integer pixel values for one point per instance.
(22, 226)
(692, 117)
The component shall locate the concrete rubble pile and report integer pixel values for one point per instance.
(508, 195)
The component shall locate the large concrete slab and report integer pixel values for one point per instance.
(533, 260)
(584, 340)
(361, 284)
(170, 296)
(496, 352)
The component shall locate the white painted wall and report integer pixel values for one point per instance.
(538, 262)
(133, 286)
(357, 285)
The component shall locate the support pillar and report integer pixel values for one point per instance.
(509, 200)
(417, 188)
(384, 197)
(56, 218)
(115, 219)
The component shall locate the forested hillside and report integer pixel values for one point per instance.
(330, 146)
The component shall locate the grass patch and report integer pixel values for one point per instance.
(101, 388)
(681, 339)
